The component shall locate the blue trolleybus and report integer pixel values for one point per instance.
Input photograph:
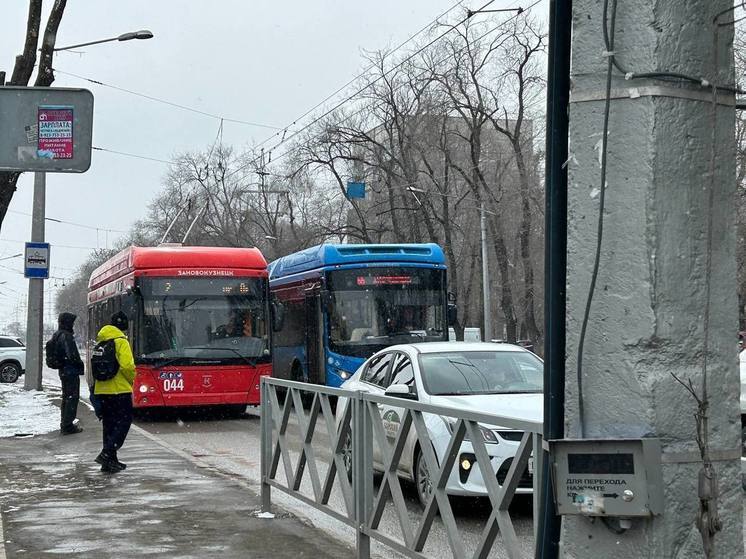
(334, 305)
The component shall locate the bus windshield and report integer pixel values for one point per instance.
(371, 308)
(190, 320)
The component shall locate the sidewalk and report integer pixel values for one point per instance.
(54, 501)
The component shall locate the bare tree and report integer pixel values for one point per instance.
(218, 198)
(73, 296)
(739, 50)
(23, 70)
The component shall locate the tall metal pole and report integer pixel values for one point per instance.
(486, 279)
(35, 321)
(555, 262)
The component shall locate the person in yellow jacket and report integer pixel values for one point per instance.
(114, 396)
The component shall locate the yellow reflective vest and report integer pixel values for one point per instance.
(125, 377)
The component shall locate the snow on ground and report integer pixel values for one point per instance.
(26, 412)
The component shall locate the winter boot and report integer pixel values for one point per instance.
(108, 463)
(120, 465)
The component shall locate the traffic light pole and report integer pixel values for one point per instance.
(35, 320)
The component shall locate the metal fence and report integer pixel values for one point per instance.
(350, 468)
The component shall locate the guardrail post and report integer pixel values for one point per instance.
(362, 473)
(265, 429)
(538, 480)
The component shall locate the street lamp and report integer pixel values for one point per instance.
(142, 34)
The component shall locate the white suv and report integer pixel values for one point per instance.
(12, 358)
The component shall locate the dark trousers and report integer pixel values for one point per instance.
(70, 397)
(116, 412)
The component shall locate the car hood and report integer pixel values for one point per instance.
(528, 407)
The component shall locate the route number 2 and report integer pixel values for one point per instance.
(170, 385)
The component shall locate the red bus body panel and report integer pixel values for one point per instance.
(201, 385)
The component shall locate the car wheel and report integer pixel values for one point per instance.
(9, 372)
(347, 456)
(422, 479)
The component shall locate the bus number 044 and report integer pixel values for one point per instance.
(173, 384)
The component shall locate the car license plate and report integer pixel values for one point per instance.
(531, 465)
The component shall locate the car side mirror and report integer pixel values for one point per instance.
(400, 391)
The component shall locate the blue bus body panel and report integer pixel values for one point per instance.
(310, 264)
(336, 255)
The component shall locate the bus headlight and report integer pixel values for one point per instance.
(143, 388)
(344, 375)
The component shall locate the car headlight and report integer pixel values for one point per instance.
(487, 435)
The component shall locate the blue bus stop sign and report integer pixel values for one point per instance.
(36, 260)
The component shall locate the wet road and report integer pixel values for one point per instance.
(232, 446)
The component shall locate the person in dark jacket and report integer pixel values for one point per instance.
(70, 372)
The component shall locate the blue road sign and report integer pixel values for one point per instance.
(356, 190)
(36, 260)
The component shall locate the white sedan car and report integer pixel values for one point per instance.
(12, 358)
(500, 379)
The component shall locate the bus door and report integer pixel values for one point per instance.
(314, 338)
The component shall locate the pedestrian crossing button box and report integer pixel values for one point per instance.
(607, 477)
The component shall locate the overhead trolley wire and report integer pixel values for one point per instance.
(284, 130)
(65, 222)
(166, 102)
(384, 74)
(351, 97)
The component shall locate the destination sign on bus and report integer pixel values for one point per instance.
(202, 286)
(363, 281)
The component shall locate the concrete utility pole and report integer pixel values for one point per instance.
(487, 309)
(665, 296)
(35, 320)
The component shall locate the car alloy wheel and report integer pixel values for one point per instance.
(9, 372)
(422, 479)
(347, 456)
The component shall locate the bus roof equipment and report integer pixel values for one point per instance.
(342, 254)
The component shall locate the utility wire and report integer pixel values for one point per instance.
(609, 39)
(166, 102)
(134, 155)
(379, 78)
(362, 74)
(16, 241)
(664, 76)
(65, 222)
(384, 74)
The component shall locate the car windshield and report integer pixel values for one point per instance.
(192, 319)
(373, 308)
(481, 372)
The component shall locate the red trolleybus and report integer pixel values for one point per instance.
(198, 322)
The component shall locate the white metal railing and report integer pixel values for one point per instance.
(362, 425)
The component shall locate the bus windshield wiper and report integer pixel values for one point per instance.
(249, 361)
(407, 333)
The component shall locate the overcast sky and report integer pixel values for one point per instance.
(260, 61)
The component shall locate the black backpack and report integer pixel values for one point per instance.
(104, 364)
(52, 353)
